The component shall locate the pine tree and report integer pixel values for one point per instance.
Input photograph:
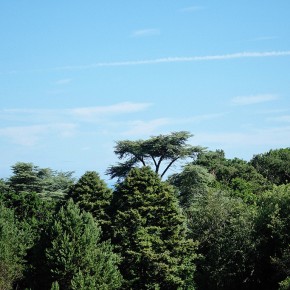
(150, 234)
(14, 242)
(75, 247)
(91, 194)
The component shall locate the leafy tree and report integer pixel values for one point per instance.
(192, 181)
(28, 177)
(14, 242)
(224, 228)
(236, 175)
(24, 178)
(54, 184)
(150, 234)
(273, 232)
(274, 165)
(92, 195)
(4, 187)
(160, 152)
(75, 254)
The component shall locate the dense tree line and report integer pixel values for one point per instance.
(218, 223)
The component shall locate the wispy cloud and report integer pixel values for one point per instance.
(63, 81)
(284, 118)
(80, 113)
(145, 32)
(120, 108)
(272, 137)
(192, 8)
(218, 57)
(30, 135)
(139, 128)
(250, 100)
(154, 126)
(61, 123)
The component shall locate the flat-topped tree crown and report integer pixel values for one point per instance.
(159, 152)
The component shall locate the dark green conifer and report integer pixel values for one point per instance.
(149, 232)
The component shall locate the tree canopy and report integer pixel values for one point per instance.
(274, 165)
(160, 152)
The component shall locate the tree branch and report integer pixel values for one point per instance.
(168, 166)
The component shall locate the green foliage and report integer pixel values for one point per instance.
(285, 284)
(92, 195)
(30, 178)
(192, 181)
(149, 232)
(14, 242)
(273, 231)
(24, 178)
(75, 247)
(55, 286)
(160, 152)
(235, 175)
(274, 165)
(224, 227)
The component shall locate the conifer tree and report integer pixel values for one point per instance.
(91, 194)
(14, 242)
(75, 248)
(149, 232)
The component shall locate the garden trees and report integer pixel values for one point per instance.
(160, 152)
(75, 256)
(150, 234)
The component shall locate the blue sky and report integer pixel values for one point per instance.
(77, 76)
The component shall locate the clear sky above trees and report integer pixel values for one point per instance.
(77, 76)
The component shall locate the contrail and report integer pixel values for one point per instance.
(238, 55)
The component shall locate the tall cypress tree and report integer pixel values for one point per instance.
(150, 234)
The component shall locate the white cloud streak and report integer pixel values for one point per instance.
(80, 113)
(238, 55)
(121, 108)
(250, 100)
(165, 60)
